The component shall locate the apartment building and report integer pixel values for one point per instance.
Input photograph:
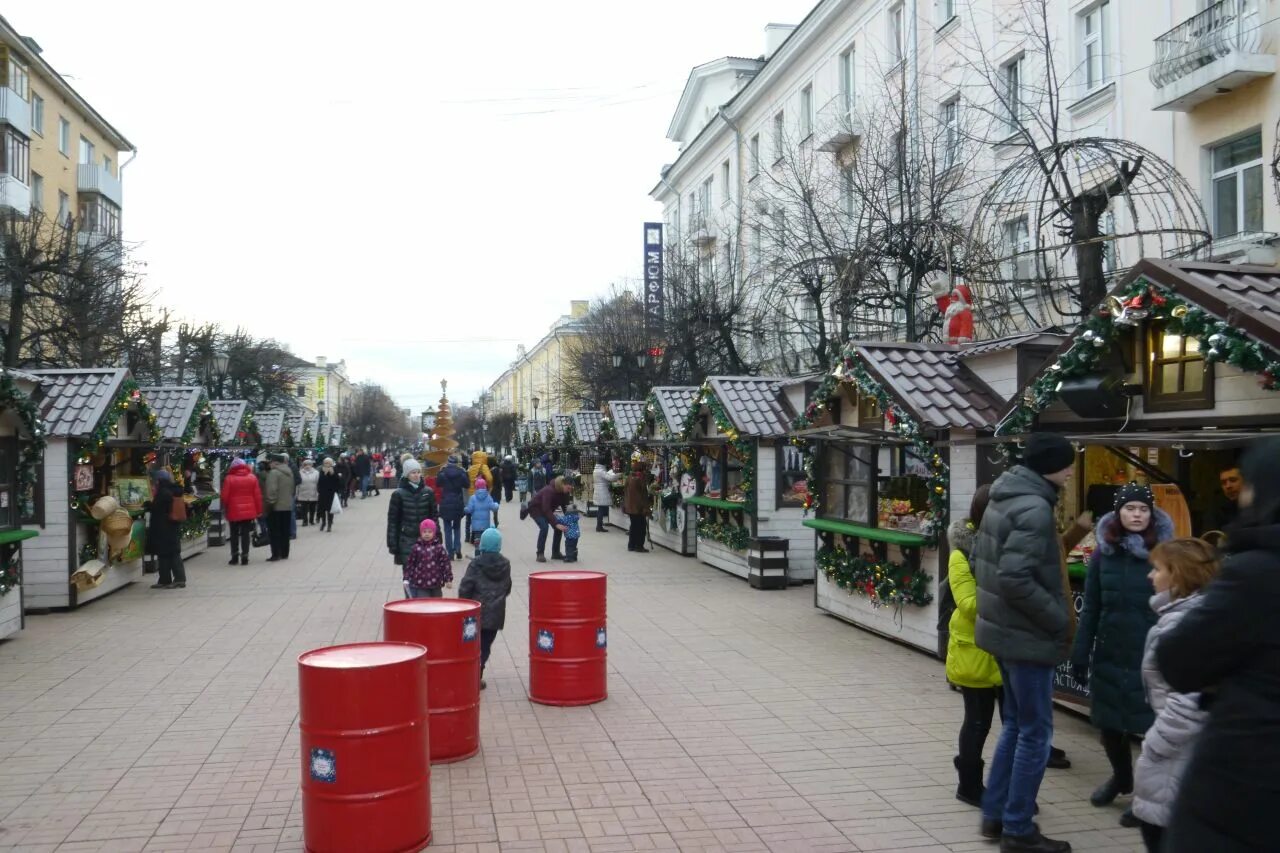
(1189, 81)
(324, 389)
(60, 155)
(537, 373)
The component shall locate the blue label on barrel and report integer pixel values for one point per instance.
(546, 641)
(324, 766)
(602, 638)
(469, 631)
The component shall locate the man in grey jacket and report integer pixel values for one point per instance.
(278, 503)
(1023, 622)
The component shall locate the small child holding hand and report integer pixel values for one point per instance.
(571, 521)
(427, 568)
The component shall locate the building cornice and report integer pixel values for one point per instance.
(697, 79)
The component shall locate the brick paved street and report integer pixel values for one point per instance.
(737, 720)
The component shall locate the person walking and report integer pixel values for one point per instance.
(602, 479)
(509, 474)
(1228, 648)
(453, 484)
(308, 491)
(163, 539)
(242, 507)
(1179, 570)
(542, 509)
(635, 503)
(279, 503)
(428, 570)
(264, 468)
(495, 487)
(488, 581)
(388, 474)
(1022, 622)
(411, 504)
(328, 487)
(363, 472)
(481, 509)
(345, 474)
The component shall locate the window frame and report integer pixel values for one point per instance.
(806, 112)
(1016, 245)
(17, 70)
(951, 131)
(944, 11)
(1087, 40)
(727, 195)
(64, 207)
(1154, 398)
(1015, 107)
(846, 191)
(64, 137)
(779, 131)
(848, 70)
(37, 191)
(897, 34)
(87, 152)
(15, 148)
(753, 149)
(37, 114)
(705, 191)
(1237, 172)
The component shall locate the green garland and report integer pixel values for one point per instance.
(128, 397)
(608, 431)
(730, 535)
(882, 582)
(12, 398)
(306, 437)
(89, 550)
(744, 447)
(197, 523)
(570, 437)
(1218, 341)
(202, 414)
(10, 575)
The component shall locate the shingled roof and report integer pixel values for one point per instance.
(229, 414)
(561, 423)
(174, 407)
(753, 403)
(587, 426)
(295, 423)
(270, 426)
(540, 427)
(932, 383)
(76, 400)
(627, 416)
(1245, 296)
(675, 401)
(1048, 337)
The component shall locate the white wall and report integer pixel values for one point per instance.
(44, 559)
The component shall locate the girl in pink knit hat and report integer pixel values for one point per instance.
(427, 569)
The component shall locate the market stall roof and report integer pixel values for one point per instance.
(675, 401)
(335, 435)
(627, 417)
(932, 383)
(560, 425)
(76, 400)
(753, 403)
(270, 426)
(1245, 296)
(587, 426)
(295, 423)
(174, 406)
(1049, 336)
(229, 414)
(540, 427)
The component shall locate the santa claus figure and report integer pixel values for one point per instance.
(958, 318)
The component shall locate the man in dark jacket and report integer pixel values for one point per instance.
(1023, 622)
(164, 541)
(1229, 649)
(453, 483)
(509, 474)
(542, 509)
(363, 471)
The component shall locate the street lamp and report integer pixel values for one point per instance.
(535, 408)
(617, 360)
(216, 367)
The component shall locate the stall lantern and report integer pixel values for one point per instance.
(620, 429)
(1166, 383)
(100, 431)
(736, 430)
(188, 429)
(22, 444)
(676, 465)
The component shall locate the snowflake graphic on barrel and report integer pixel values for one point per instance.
(324, 766)
(546, 641)
(469, 631)
(602, 638)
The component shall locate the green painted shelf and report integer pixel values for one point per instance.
(862, 531)
(8, 537)
(716, 503)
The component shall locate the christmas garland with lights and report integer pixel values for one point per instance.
(570, 437)
(10, 575)
(307, 440)
(730, 535)
(129, 396)
(32, 452)
(608, 432)
(741, 446)
(882, 582)
(203, 414)
(1218, 342)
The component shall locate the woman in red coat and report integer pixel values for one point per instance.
(242, 506)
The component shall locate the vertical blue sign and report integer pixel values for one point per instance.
(653, 302)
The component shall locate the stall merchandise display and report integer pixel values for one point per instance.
(33, 444)
(881, 582)
(10, 574)
(742, 447)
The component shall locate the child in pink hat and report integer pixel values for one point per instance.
(427, 569)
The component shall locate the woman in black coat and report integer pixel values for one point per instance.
(164, 540)
(411, 504)
(328, 487)
(1229, 648)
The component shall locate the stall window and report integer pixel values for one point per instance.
(31, 502)
(869, 414)
(792, 485)
(1178, 377)
(8, 478)
(852, 493)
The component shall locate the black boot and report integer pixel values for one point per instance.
(1116, 745)
(970, 789)
(1058, 759)
(1032, 843)
(1106, 793)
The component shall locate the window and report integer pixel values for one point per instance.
(37, 114)
(724, 182)
(301, 391)
(64, 136)
(806, 112)
(1237, 186)
(946, 11)
(951, 132)
(846, 191)
(755, 154)
(755, 247)
(779, 126)
(1017, 247)
(106, 164)
(86, 152)
(37, 192)
(1011, 75)
(780, 228)
(1178, 377)
(897, 34)
(64, 207)
(16, 156)
(848, 82)
(18, 80)
(694, 220)
(704, 199)
(99, 216)
(1093, 38)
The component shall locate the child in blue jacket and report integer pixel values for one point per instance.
(571, 518)
(481, 508)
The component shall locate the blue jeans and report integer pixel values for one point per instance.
(543, 527)
(452, 535)
(1017, 768)
(423, 591)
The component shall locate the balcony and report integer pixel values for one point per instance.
(100, 246)
(837, 126)
(701, 232)
(14, 111)
(14, 195)
(1210, 54)
(94, 178)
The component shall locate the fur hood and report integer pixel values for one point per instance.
(1132, 542)
(960, 535)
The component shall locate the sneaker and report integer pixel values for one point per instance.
(540, 559)
(161, 585)
(1033, 843)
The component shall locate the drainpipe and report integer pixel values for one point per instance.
(133, 155)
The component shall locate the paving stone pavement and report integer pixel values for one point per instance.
(737, 720)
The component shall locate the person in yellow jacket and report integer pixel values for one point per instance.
(479, 469)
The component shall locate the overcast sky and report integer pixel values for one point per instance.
(414, 187)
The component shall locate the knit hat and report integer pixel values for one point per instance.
(163, 475)
(411, 465)
(1135, 493)
(238, 463)
(427, 525)
(1260, 468)
(481, 484)
(1048, 453)
(491, 541)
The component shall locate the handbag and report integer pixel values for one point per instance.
(259, 540)
(336, 507)
(178, 509)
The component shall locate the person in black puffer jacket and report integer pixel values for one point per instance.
(411, 504)
(488, 581)
(1229, 647)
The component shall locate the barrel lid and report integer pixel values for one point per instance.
(361, 655)
(567, 576)
(432, 605)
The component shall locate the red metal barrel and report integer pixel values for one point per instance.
(366, 777)
(567, 638)
(450, 629)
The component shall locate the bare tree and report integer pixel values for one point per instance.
(372, 418)
(613, 327)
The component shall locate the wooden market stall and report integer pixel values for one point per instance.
(675, 523)
(1165, 383)
(94, 483)
(270, 425)
(749, 515)
(878, 482)
(586, 431)
(188, 429)
(294, 429)
(620, 430)
(21, 443)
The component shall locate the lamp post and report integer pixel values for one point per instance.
(216, 366)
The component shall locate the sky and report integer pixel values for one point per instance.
(414, 187)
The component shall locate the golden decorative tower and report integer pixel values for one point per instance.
(442, 444)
